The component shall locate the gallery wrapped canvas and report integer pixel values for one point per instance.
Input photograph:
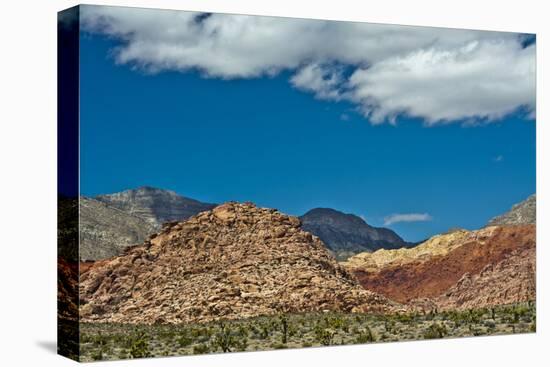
(232, 183)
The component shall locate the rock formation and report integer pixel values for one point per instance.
(347, 234)
(105, 231)
(511, 280)
(432, 268)
(234, 261)
(436, 246)
(521, 213)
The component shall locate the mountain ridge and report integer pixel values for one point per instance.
(347, 234)
(154, 204)
(524, 212)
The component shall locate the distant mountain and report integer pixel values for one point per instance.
(156, 206)
(105, 231)
(348, 234)
(524, 212)
(110, 223)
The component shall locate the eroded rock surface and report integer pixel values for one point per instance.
(234, 261)
(511, 280)
(431, 269)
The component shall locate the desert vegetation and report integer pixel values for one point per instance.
(104, 341)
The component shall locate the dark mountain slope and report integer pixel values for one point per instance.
(347, 234)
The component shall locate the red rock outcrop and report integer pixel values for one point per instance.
(407, 277)
(512, 280)
(234, 261)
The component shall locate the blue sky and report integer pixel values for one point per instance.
(271, 139)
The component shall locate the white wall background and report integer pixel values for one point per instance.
(28, 182)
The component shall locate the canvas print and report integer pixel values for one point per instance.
(233, 183)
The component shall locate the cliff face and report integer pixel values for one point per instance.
(156, 206)
(234, 261)
(524, 212)
(347, 234)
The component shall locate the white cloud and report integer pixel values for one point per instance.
(483, 79)
(323, 80)
(440, 75)
(498, 158)
(409, 217)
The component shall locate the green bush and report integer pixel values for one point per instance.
(324, 336)
(435, 331)
(140, 349)
(226, 339)
(365, 336)
(184, 340)
(201, 349)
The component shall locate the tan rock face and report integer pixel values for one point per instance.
(436, 246)
(432, 268)
(234, 261)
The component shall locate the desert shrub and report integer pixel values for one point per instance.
(140, 347)
(325, 336)
(264, 331)
(389, 325)
(334, 322)
(435, 331)
(404, 318)
(201, 349)
(226, 339)
(365, 336)
(123, 354)
(184, 340)
(490, 324)
(97, 355)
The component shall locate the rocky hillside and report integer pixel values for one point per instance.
(154, 205)
(511, 280)
(235, 261)
(432, 268)
(105, 231)
(347, 234)
(438, 245)
(521, 213)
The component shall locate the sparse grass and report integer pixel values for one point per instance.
(116, 341)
